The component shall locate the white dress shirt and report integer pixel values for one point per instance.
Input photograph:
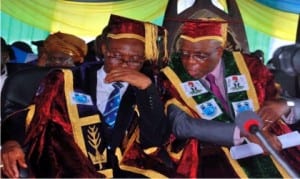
(104, 89)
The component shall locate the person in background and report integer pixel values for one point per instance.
(41, 54)
(208, 87)
(94, 49)
(22, 46)
(7, 66)
(91, 52)
(60, 50)
(259, 54)
(98, 43)
(285, 67)
(64, 50)
(6, 54)
(101, 118)
(22, 52)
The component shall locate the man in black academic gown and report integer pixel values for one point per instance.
(68, 131)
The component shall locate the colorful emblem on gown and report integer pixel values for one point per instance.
(81, 98)
(241, 106)
(193, 88)
(209, 109)
(236, 83)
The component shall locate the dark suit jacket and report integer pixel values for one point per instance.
(151, 122)
(184, 126)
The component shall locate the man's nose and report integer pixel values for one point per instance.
(125, 60)
(124, 63)
(191, 59)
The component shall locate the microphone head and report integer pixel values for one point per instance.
(248, 119)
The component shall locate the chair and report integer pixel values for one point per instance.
(285, 65)
(19, 89)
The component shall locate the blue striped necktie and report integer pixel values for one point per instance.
(112, 106)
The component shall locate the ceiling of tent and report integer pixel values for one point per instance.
(93, 0)
(34, 19)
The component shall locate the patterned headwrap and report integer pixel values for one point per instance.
(68, 44)
(195, 30)
(121, 27)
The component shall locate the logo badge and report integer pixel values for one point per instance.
(209, 109)
(81, 98)
(193, 88)
(236, 83)
(241, 106)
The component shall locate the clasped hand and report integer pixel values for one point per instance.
(272, 110)
(133, 77)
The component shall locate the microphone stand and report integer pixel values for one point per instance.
(255, 130)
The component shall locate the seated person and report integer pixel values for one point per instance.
(208, 87)
(81, 119)
(64, 50)
(286, 69)
(61, 49)
(6, 55)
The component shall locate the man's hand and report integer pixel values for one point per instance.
(12, 156)
(133, 77)
(272, 110)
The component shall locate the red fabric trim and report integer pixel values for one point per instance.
(53, 152)
(136, 157)
(262, 78)
(211, 28)
(189, 163)
(119, 25)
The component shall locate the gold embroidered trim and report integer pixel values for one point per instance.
(178, 104)
(281, 170)
(236, 166)
(251, 92)
(218, 38)
(146, 172)
(176, 82)
(126, 35)
(150, 150)
(29, 117)
(75, 120)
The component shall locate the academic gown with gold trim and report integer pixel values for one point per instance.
(210, 161)
(64, 139)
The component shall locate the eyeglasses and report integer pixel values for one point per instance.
(117, 58)
(197, 56)
(60, 61)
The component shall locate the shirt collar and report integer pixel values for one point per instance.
(101, 76)
(217, 71)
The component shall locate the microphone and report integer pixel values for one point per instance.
(250, 122)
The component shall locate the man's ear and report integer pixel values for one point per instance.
(103, 48)
(220, 51)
